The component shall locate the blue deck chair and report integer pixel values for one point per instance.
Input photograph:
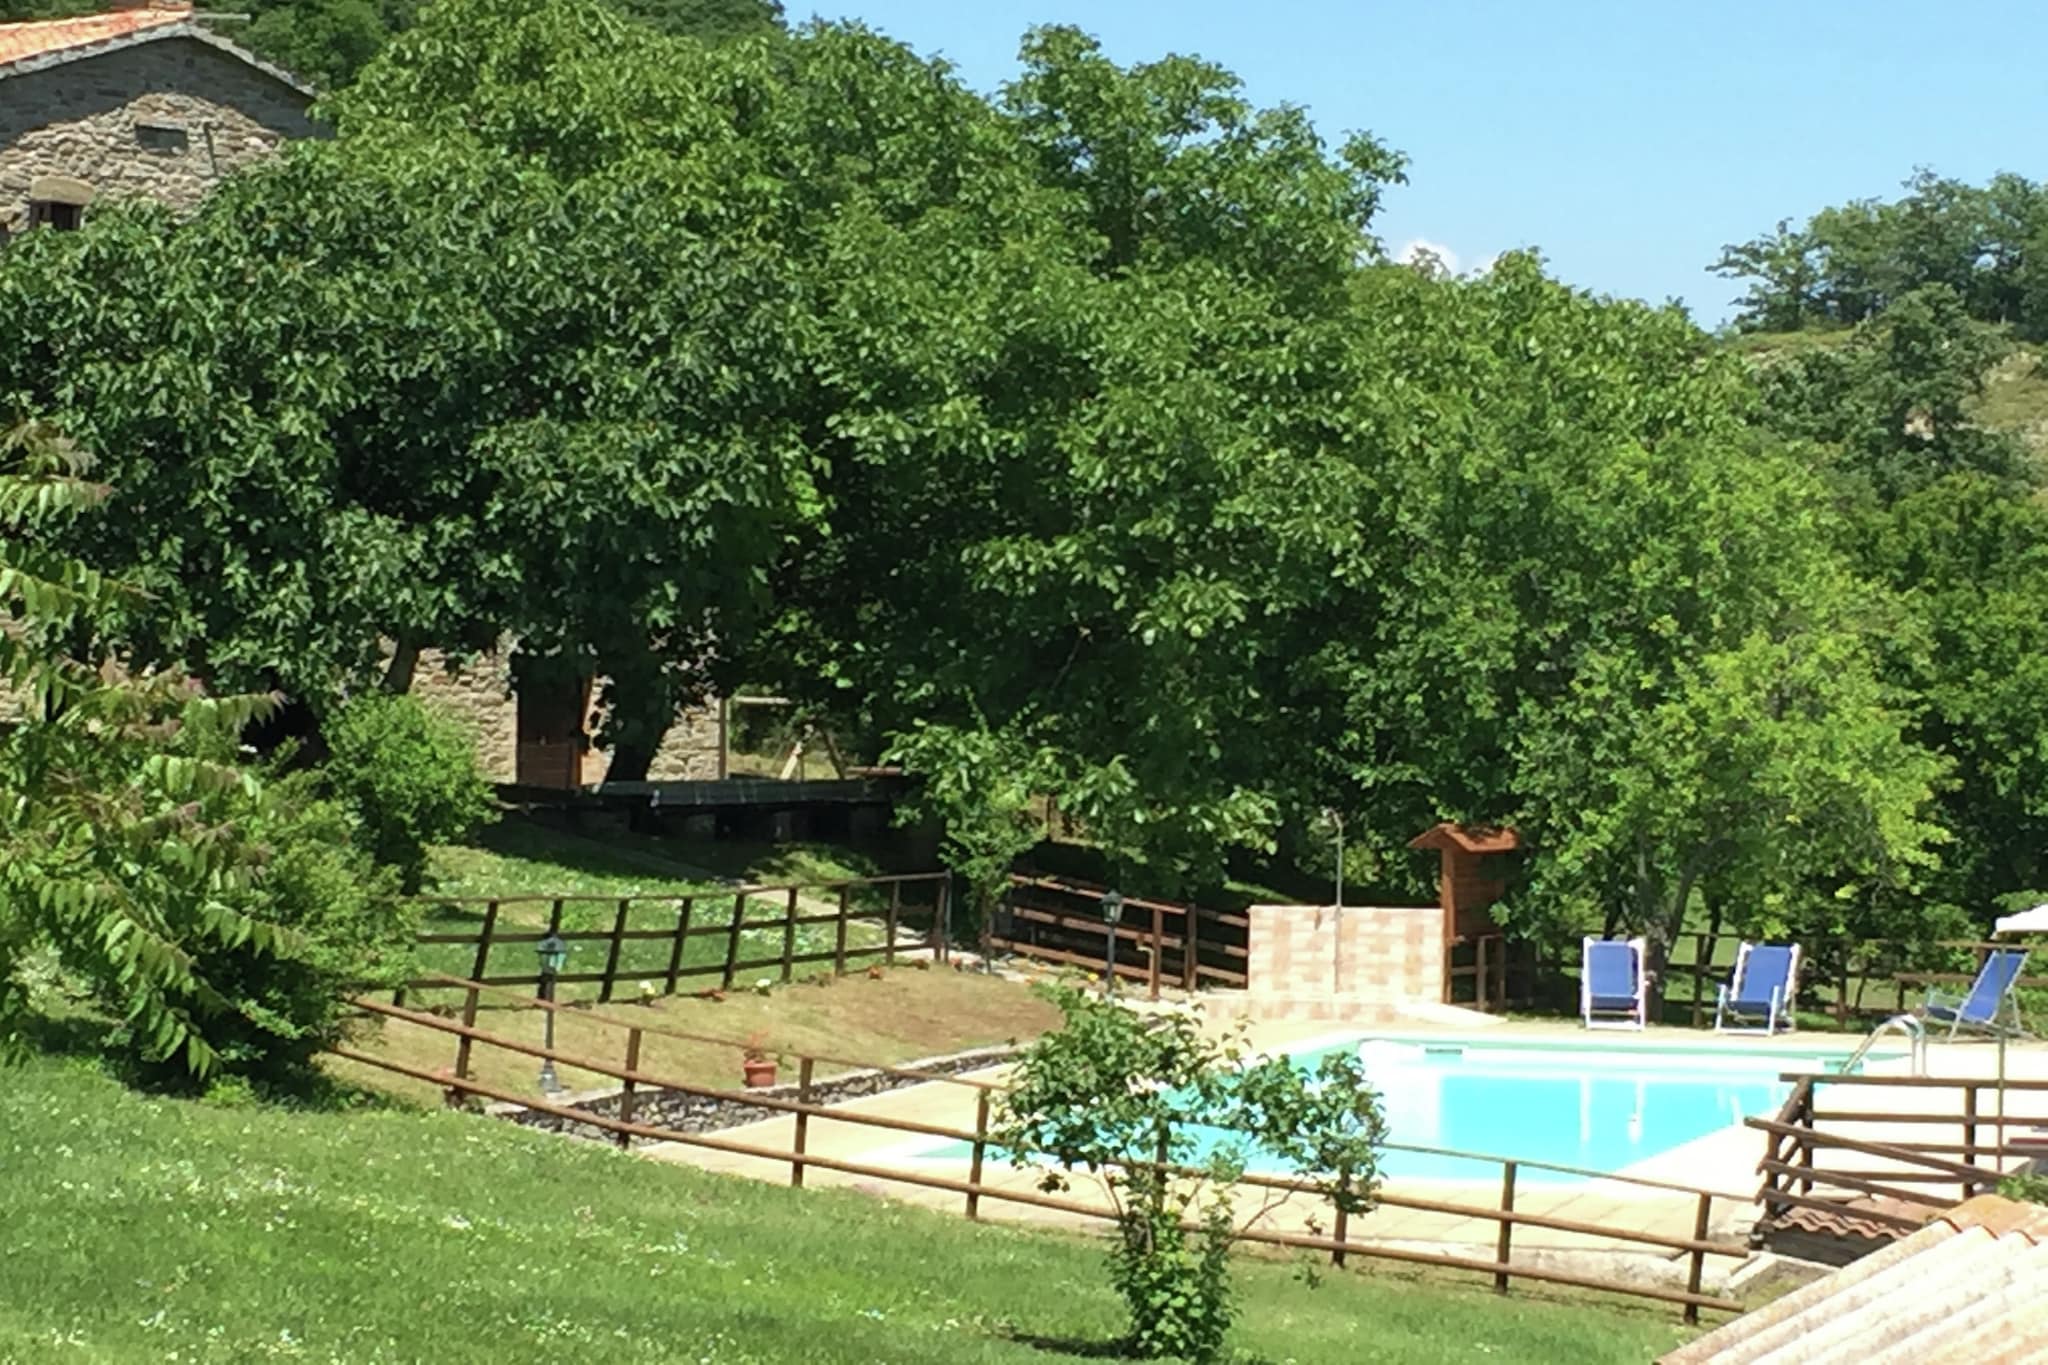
(1989, 1007)
(1611, 983)
(1760, 990)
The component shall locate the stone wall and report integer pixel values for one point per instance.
(168, 118)
(1355, 964)
(480, 697)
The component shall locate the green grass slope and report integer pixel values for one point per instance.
(149, 1229)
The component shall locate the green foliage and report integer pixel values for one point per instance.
(411, 776)
(2028, 1189)
(1890, 404)
(1849, 264)
(1122, 1093)
(218, 917)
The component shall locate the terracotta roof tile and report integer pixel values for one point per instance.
(1967, 1289)
(42, 37)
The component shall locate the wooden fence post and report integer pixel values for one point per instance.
(1841, 996)
(675, 953)
(462, 1046)
(1969, 1125)
(789, 934)
(1702, 952)
(627, 1101)
(839, 933)
(483, 942)
(1698, 1271)
(940, 928)
(1479, 973)
(1158, 938)
(1506, 1241)
(803, 1122)
(1190, 949)
(611, 958)
(974, 1162)
(732, 937)
(895, 909)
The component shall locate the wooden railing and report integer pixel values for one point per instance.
(1810, 1161)
(458, 1082)
(1061, 921)
(1502, 972)
(877, 903)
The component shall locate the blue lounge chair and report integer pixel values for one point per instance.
(1761, 989)
(1989, 1007)
(1612, 982)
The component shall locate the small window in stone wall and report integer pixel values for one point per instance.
(169, 139)
(57, 201)
(47, 213)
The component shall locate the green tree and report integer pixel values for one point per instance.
(220, 918)
(410, 775)
(1125, 1095)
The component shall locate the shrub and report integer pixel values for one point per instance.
(2027, 1188)
(411, 776)
(1116, 1092)
(218, 916)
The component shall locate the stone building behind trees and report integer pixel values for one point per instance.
(146, 100)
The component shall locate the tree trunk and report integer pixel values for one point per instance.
(405, 661)
(631, 758)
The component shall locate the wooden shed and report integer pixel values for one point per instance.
(1475, 947)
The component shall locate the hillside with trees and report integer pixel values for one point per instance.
(1075, 440)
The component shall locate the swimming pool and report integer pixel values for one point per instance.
(1597, 1107)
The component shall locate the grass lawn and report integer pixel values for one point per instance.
(904, 1014)
(152, 1230)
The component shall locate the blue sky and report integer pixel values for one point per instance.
(1627, 141)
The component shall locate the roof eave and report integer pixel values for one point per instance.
(44, 61)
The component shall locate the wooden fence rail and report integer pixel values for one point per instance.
(806, 1114)
(1894, 1167)
(1058, 921)
(922, 895)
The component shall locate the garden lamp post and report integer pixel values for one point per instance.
(553, 953)
(1112, 915)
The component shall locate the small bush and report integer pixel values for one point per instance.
(410, 775)
(2028, 1189)
(270, 1006)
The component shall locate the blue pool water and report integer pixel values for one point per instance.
(1597, 1108)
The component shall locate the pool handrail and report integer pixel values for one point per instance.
(1908, 1024)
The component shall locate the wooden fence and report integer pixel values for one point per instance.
(1058, 921)
(920, 899)
(458, 1083)
(1810, 1161)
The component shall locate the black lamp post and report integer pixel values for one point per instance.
(1112, 915)
(553, 953)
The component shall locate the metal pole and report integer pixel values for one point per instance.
(550, 1084)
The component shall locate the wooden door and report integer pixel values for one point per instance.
(552, 735)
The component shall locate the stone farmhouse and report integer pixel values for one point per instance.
(145, 100)
(139, 101)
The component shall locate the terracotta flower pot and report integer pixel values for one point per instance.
(760, 1072)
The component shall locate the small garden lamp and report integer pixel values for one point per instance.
(553, 953)
(1112, 915)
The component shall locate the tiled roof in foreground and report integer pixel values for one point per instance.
(1970, 1288)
